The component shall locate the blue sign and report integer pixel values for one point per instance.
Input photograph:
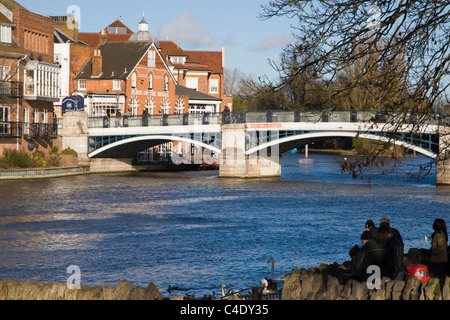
(73, 103)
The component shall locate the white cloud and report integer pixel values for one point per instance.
(273, 42)
(186, 31)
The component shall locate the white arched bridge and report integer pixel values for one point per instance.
(249, 144)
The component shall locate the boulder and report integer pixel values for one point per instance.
(412, 289)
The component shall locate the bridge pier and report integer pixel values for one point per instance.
(443, 159)
(236, 164)
(74, 134)
(105, 165)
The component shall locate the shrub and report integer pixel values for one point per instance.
(69, 151)
(14, 159)
(54, 151)
(38, 160)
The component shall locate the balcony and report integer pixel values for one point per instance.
(10, 130)
(40, 130)
(42, 81)
(12, 89)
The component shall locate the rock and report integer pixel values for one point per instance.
(431, 289)
(152, 292)
(31, 290)
(446, 289)
(124, 290)
(292, 286)
(90, 293)
(412, 289)
(12, 289)
(108, 292)
(397, 289)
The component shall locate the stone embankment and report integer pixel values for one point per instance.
(322, 283)
(31, 290)
(326, 283)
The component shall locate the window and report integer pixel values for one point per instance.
(152, 58)
(26, 121)
(4, 117)
(150, 82)
(214, 86)
(178, 60)
(166, 83)
(133, 80)
(44, 116)
(5, 76)
(35, 116)
(192, 83)
(6, 34)
(82, 84)
(117, 84)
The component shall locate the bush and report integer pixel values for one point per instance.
(38, 160)
(69, 151)
(15, 159)
(54, 151)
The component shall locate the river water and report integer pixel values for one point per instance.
(197, 231)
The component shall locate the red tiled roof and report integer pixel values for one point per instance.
(93, 39)
(196, 60)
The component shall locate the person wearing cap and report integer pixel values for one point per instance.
(370, 226)
(371, 253)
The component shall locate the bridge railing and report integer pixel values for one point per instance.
(189, 119)
(185, 119)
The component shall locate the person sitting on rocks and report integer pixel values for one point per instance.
(370, 254)
(395, 264)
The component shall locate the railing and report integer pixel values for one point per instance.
(10, 129)
(185, 119)
(262, 117)
(13, 89)
(43, 130)
(28, 130)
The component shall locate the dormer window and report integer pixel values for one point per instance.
(178, 60)
(5, 34)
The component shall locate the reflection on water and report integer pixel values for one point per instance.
(196, 231)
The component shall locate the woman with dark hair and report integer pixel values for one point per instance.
(439, 256)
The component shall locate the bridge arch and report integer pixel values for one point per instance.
(339, 134)
(128, 148)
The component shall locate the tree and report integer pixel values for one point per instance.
(395, 53)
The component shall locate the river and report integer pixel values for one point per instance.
(197, 231)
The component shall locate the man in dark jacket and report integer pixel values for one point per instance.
(371, 254)
(385, 221)
(393, 247)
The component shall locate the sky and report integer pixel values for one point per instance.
(235, 25)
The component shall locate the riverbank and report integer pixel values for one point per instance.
(39, 173)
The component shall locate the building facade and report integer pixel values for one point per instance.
(30, 80)
(127, 78)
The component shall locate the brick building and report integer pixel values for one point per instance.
(30, 79)
(202, 71)
(127, 78)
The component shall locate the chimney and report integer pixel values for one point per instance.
(97, 63)
(103, 37)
